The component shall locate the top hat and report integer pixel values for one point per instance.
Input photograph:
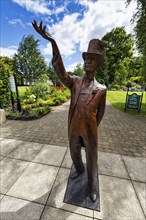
(96, 48)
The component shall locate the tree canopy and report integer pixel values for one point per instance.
(118, 51)
(78, 71)
(139, 19)
(29, 63)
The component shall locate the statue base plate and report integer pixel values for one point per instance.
(77, 191)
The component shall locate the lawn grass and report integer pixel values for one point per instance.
(117, 99)
(21, 90)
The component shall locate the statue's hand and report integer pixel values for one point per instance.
(42, 31)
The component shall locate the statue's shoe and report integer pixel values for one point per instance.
(76, 174)
(93, 196)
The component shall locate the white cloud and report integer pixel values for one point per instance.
(65, 34)
(47, 50)
(60, 10)
(16, 21)
(98, 18)
(9, 52)
(71, 67)
(36, 6)
(40, 6)
(102, 16)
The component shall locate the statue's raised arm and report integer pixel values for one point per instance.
(57, 59)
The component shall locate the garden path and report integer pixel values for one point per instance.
(119, 132)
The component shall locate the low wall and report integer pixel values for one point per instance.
(2, 116)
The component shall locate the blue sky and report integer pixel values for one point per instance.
(71, 22)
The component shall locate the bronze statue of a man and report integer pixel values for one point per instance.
(86, 109)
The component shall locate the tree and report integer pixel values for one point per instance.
(139, 18)
(52, 75)
(135, 67)
(101, 74)
(118, 46)
(78, 71)
(122, 72)
(6, 70)
(28, 62)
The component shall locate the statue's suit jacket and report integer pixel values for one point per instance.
(95, 105)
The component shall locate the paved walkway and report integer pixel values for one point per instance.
(119, 132)
(35, 165)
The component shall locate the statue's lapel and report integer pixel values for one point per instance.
(92, 93)
(76, 98)
(80, 83)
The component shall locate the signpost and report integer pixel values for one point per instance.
(12, 84)
(133, 102)
(14, 88)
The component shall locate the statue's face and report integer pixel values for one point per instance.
(90, 64)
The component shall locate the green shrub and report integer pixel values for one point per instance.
(46, 109)
(30, 99)
(50, 102)
(27, 93)
(67, 93)
(115, 87)
(39, 111)
(41, 102)
(138, 86)
(130, 84)
(137, 79)
(40, 90)
(14, 115)
(33, 113)
(56, 101)
(5, 72)
(28, 112)
(61, 98)
(28, 106)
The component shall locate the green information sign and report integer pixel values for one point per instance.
(133, 102)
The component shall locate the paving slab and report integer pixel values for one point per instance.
(140, 189)
(11, 169)
(1, 196)
(109, 164)
(7, 145)
(136, 168)
(51, 154)
(67, 162)
(58, 192)
(118, 200)
(35, 183)
(26, 151)
(57, 214)
(1, 157)
(17, 209)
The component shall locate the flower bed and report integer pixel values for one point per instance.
(37, 101)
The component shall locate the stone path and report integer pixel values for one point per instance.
(35, 165)
(119, 132)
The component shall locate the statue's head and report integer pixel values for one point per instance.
(93, 58)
